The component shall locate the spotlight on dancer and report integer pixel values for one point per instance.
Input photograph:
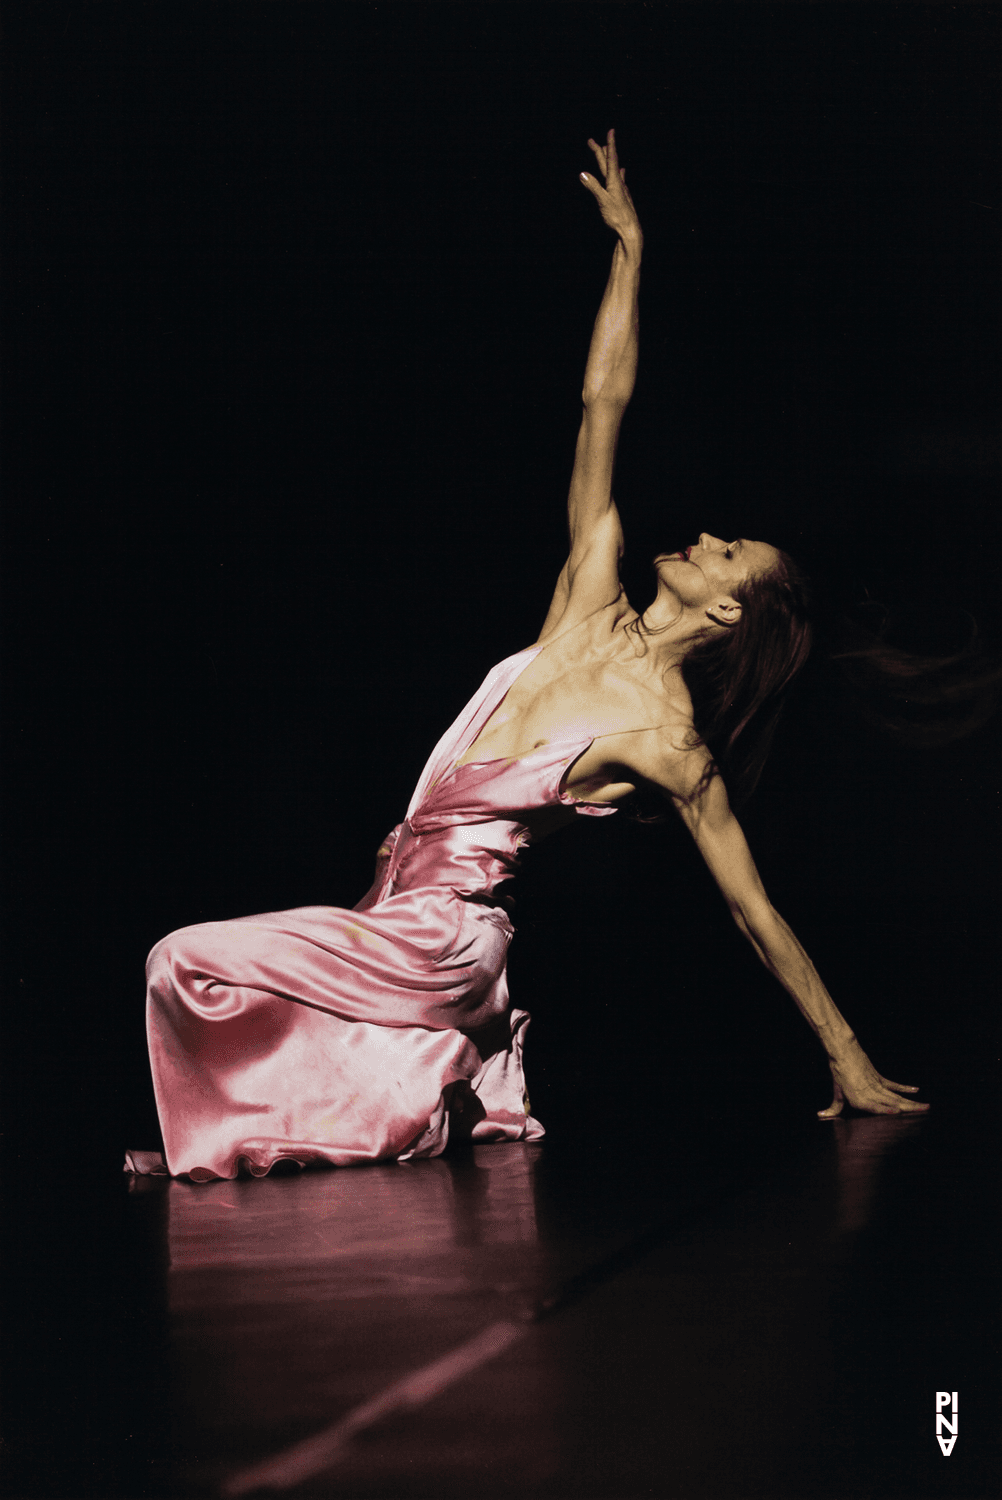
(323, 1034)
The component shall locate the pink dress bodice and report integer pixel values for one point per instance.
(464, 826)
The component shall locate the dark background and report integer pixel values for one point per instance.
(298, 298)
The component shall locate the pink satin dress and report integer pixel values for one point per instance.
(356, 1036)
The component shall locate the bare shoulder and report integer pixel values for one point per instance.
(582, 629)
(587, 593)
(676, 762)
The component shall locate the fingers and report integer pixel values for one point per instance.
(614, 174)
(835, 1107)
(875, 1102)
(902, 1106)
(892, 1105)
(601, 157)
(610, 155)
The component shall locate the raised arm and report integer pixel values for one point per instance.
(722, 843)
(590, 576)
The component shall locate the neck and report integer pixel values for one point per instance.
(656, 647)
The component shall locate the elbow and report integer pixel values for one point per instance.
(605, 399)
(741, 922)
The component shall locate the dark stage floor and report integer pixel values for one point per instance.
(757, 1312)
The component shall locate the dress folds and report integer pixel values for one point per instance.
(323, 1034)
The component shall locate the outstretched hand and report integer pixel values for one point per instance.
(858, 1083)
(614, 201)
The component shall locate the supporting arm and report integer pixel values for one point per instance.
(722, 843)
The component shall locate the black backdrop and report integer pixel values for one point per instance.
(298, 300)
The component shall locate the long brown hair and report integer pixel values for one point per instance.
(921, 699)
(738, 678)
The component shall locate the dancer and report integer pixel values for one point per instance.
(348, 1036)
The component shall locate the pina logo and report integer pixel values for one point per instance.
(946, 1419)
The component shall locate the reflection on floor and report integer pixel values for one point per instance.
(744, 1306)
(293, 1304)
(784, 1342)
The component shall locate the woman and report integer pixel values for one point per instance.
(324, 1034)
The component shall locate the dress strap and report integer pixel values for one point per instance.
(641, 729)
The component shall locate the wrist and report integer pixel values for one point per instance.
(630, 247)
(837, 1039)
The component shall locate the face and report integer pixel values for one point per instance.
(714, 568)
(704, 578)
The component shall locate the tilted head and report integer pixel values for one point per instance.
(739, 611)
(702, 585)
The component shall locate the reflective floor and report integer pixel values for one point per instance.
(565, 1326)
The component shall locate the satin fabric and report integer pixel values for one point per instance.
(353, 1036)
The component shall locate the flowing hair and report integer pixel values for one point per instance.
(920, 699)
(738, 678)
